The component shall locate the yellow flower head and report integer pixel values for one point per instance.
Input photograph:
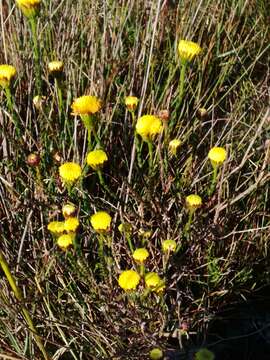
(68, 210)
(153, 281)
(86, 105)
(131, 102)
(101, 221)
(71, 224)
(169, 245)
(30, 8)
(129, 279)
(38, 102)
(140, 255)
(55, 67)
(7, 73)
(70, 172)
(217, 156)
(145, 234)
(174, 146)
(156, 354)
(193, 202)
(188, 50)
(148, 126)
(125, 228)
(65, 240)
(56, 227)
(96, 159)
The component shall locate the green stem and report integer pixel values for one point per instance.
(129, 242)
(182, 81)
(150, 151)
(138, 151)
(214, 181)
(97, 138)
(11, 110)
(33, 25)
(19, 297)
(102, 183)
(142, 270)
(59, 95)
(188, 224)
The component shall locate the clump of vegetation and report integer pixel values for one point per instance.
(134, 175)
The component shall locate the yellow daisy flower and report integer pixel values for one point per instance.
(193, 202)
(29, 8)
(156, 354)
(131, 102)
(129, 279)
(140, 255)
(56, 227)
(153, 281)
(65, 240)
(86, 105)
(217, 156)
(174, 146)
(68, 210)
(169, 245)
(7, 73)
(96, 159)
(70, 172)
(148, 126)
(188, 50)
(101, 221)
(55, 67)
(125, 228)
(71, 224)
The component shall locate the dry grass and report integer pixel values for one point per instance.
(111, 49)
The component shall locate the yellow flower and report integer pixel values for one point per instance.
(7, 73)
(169, 245)
(125, 228)
(140, 255)
(70, 172)
(68, 210)
(131, 102)
(148, 126)
(101, 221)
(174, 146)
(55, 67)
(193, 202)
(86, 105)
(188, 50)
(29, 8)
(129, 279)
(156, 354)
(96, 159)
(65, 240)
(145, 234)
(217, 156)
(56, 227)
(38, 102)
(153, 281)
(71, 224)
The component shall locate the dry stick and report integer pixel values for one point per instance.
(143, 95)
